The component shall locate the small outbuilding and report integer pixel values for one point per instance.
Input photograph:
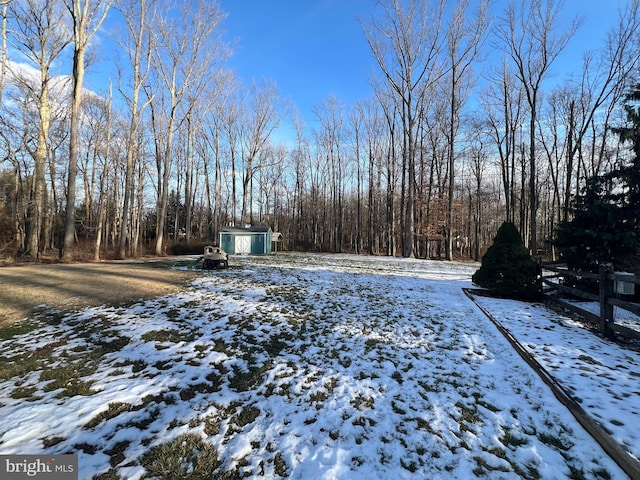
(246, 240)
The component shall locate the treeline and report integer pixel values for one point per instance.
(453, 142)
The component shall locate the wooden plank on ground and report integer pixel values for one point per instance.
(620, 455)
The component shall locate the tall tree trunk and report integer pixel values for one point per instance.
(140, 71)
(102, 200)
(74, 147)
(82, 14)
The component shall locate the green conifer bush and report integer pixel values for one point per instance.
(507, 268)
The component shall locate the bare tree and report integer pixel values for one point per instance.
(357, 120)
(605, 77)
(503, 103)
(232, 113)
(531, 37)
(103, 177)
(261, 118)
(407, 46)
(330, 141)
(39, 33)
(184, 54)
(372, 134)
(87, 17)
(389, 109)
(211, 117)
(300, 156)
(138, 49)
(477, 166)
(464, 40)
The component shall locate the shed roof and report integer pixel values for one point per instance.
(256, 229)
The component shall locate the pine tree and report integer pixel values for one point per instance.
(605, 226)
(507, 268)
(600, 231)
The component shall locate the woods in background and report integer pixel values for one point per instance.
(465, 130)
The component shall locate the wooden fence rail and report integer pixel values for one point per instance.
(610, 284)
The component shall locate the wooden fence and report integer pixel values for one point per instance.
(612, 287)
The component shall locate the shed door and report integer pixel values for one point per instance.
(243, 244)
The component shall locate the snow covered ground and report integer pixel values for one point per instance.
(318, 367)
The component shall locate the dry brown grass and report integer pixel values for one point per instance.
(25, 289)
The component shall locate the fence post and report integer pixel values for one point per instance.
(605, 287)
(538, 261)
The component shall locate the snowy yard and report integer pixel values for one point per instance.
(317, 366)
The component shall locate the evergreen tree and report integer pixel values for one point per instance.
(507, 268)
(600, 230)
(605, 223)
(629, 175)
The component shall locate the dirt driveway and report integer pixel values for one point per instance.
(26, 289)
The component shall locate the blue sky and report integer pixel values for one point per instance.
(312, 49)
(316, 48)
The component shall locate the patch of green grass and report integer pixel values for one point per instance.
(144, 422)
(24, 363)
(76, 388)
(69, 379)
(49, 442)
(112, 345)
(345, 361)
(18, 366)
(412, 466)
(468, 415)
(531, 471)
(169, 336)
(318, 397)
(19, 328)
(24, 393)
(117, 453)
(423, 424)
(279, 465)
(212, 425)
(220, 346)
(427, 387)
(186, 457)
(288, 293)
(244, 380)
(397, 376)
(245, 416)
(397, 409)
(274, 346)
(163, 364)
(137, 365)
(113, 410)
(602, 473)
(330, 383)
(554, 441)
(498, 452)
(191, 391)
(361, 402)
(510, 440)
(370, 344)
(481, 466)
(576, 473)
(110, 475)
(487, 405)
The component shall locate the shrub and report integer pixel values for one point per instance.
(507, 268)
